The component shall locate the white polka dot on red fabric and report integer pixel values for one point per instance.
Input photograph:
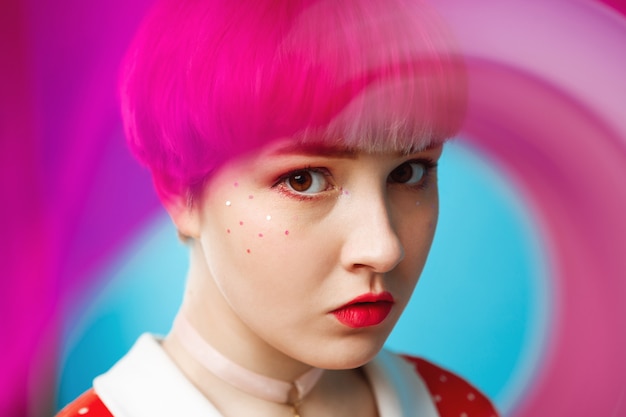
(83, 411)
(437, 398)
(471, 396)
(443, 378)
(463, 415)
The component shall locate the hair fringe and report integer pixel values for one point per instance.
(207, 81)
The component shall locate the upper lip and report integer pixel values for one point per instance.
(370, 298)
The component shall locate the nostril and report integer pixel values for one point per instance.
(375, 252)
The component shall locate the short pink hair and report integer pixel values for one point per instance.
(208, 80)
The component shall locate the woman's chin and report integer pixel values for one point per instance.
(349, 356)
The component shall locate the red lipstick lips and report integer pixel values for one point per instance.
(365, 310)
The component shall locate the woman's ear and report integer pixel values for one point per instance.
(186, 218)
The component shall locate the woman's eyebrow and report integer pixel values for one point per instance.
(338, 151)
(423, 148)
(316, 149)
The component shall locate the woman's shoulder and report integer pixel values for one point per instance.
(453, 395)
(87, 405)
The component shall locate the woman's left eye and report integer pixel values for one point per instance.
(409, 173)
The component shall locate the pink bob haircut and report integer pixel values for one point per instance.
(206, 81)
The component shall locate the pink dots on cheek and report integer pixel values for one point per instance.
(286, 232)
(240, 223)
(228, 231)
(260, 234)
(247, 250)
(250, 197)
(235, 184)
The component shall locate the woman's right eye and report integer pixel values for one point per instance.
(305, 181)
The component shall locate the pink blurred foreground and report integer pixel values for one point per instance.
(546, 101)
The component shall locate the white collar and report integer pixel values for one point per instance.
(146, 382)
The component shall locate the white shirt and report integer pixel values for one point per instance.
(147, 383)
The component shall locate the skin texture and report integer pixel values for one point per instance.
(282, 238)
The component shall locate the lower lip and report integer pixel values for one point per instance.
(363, 314)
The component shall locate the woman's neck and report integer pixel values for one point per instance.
(211, 316)
(271, 389)
(338, 392)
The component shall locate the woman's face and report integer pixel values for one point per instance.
(311, 253)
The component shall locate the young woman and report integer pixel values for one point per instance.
(294, 144)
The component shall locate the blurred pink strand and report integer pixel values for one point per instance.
(547, 102)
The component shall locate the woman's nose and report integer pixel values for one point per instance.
(371, 242)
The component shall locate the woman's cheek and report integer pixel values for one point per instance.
(417, 222)
(252, 230)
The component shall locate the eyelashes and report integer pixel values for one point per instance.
(414, 173)
(312, 182)
(305, 183)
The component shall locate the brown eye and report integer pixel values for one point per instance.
(300, 181)
(306, 181)
(408, 173)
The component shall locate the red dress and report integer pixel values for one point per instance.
(451, 395)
